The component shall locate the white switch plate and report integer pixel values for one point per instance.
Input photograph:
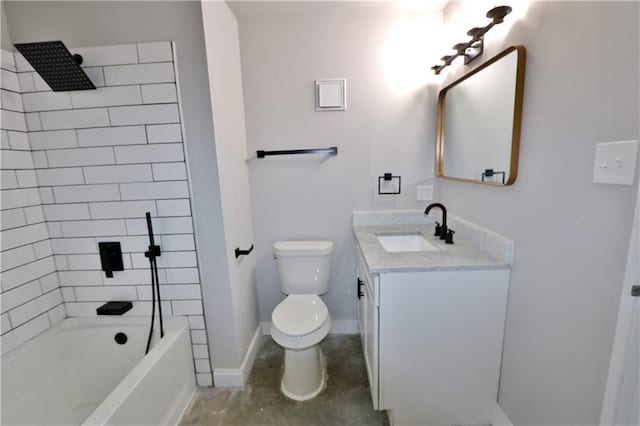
(331, 95)
(615, 162)
(425, 192)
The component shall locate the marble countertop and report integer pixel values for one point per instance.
(449, 257)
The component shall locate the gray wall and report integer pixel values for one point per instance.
(386, 128)
(5, 40)
(92, 23)
(571, 236)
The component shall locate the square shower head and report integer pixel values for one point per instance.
(56, 65)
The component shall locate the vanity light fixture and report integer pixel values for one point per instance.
(473, 48)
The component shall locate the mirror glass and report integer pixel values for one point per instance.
(479, 121)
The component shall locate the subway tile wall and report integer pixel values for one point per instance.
(102, 159)
(31, 295)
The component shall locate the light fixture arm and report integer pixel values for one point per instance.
(473, 48)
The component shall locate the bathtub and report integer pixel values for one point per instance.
(77, 374)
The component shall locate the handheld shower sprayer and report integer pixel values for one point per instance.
(152, 253)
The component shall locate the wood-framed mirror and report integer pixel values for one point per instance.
(479, 119)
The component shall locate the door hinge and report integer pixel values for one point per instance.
(635, 291)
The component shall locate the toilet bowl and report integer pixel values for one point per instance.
(301, 321)
(298, 324)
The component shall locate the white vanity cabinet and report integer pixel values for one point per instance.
(433, 342)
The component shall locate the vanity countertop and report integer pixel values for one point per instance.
(449, 257)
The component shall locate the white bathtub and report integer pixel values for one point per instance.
(75, 373)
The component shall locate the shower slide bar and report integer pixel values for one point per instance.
(333, 150)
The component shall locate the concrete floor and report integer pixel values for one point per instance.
(345, 401)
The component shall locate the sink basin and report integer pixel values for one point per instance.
(404, 243)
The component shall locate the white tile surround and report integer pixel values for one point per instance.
(102, 159)
(31, 296)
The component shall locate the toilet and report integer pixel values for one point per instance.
(301, 321)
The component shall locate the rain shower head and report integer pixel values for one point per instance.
(56, 65)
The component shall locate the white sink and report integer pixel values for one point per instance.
(404, 243)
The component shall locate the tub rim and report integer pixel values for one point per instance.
(170, 322)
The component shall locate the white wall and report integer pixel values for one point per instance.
(386, 128)
(223, 58)
(571, 236)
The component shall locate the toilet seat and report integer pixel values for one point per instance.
(300, 314)
(300, 321)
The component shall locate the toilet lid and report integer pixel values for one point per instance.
(300, 314)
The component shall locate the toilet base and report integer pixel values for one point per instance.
(305, 374)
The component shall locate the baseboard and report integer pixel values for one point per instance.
(237, 377)
(344, 327)
(499, 417)
(337, 327)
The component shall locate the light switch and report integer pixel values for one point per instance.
(615, 162)
(331, 95)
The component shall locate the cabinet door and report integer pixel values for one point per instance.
(371, 343)
(360, 307)
(441, 343)
(368, 323)
(360, 303)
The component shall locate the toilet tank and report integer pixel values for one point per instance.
(304, 267)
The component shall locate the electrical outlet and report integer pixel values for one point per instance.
(425, 192)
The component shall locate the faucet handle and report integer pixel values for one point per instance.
(449, 238)
(438, 230)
